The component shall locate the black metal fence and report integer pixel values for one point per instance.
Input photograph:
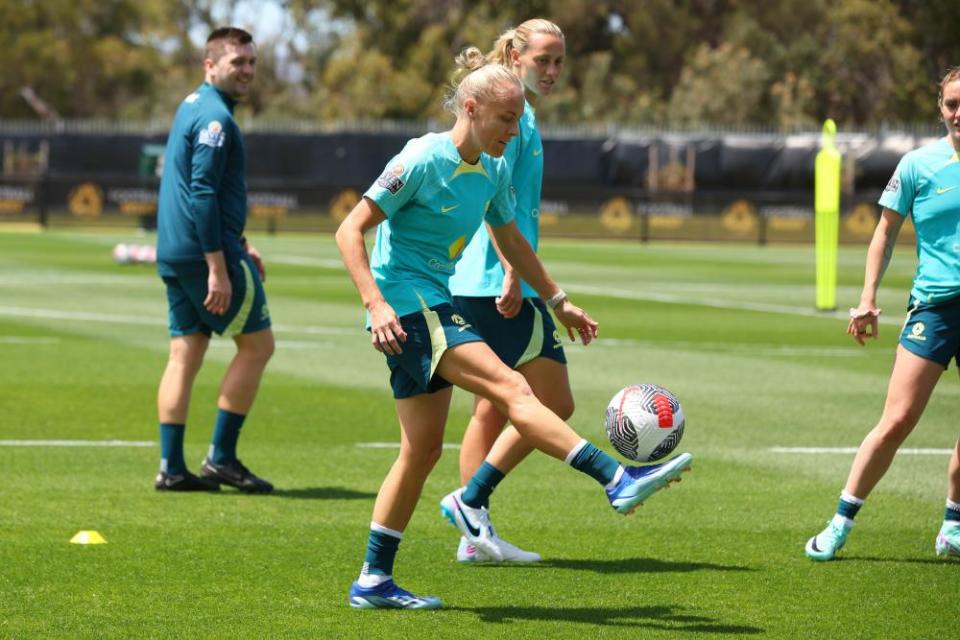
(643, 185)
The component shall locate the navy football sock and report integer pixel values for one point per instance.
(171, 448)
(226, 432)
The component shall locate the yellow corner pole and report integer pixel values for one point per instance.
(827, 211)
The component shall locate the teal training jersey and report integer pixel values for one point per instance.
(434, 201)
(926, 186)
(202, 206)
(480, 273)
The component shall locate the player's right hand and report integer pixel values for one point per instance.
(862, 318)
(510, 300)
(219, 292)
(386, 332)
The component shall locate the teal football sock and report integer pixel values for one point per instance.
(849, 505)
(381, 551)
(481, 485)
(226, 432)
(952, 512)
(592, 461)
(171, 448)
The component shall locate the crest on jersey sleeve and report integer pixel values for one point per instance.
(212, 135)
(390, 179)
(894, 185)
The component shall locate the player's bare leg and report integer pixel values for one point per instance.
(422, 420)
(911, 385)
(173, 405)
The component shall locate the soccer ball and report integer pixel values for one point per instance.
(644, 422)
(122, 254)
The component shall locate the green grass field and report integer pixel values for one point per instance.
(730, 329)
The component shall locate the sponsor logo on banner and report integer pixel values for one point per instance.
(343, 203)
(134, 201)
(861, 221)
(213, 135)
(740, 217)
(267, 204)
(86, 200)
(616, 215)
(13, 199)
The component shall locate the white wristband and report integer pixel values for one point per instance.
(556, 299)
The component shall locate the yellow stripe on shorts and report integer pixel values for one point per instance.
(236, 327)
(438, 339)
(535, 346)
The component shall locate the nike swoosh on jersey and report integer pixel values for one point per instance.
(942, 190)
(448, 209)
(537, 152)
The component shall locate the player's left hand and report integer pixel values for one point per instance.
(862, 318)
(510, 300)
(576, 319)
(257, 261)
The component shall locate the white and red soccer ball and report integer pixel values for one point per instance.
(644, 422)
(134, 254)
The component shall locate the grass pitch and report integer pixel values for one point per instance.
(729, 329)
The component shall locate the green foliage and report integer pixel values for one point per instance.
(707, 93)
(788, 63)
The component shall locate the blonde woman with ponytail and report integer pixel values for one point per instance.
(505, 310)
(427, 204)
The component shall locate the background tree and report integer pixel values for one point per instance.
(783, 63)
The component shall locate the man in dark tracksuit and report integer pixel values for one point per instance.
(214, 278)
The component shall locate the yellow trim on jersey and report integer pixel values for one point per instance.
(465, 168)
(456, 248)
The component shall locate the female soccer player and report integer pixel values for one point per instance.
(924, 187)
(505, 311)
(429, 201)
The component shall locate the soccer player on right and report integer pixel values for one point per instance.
(925, 186)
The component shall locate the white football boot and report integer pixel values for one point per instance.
(473, 523)
(468, 553)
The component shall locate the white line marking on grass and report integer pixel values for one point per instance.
(65, 279)
(116, 318)
(304, 261)
(733, 348)
(908, 451)
(327, 331)
(670, 298)
(60, 314)
(77, 443)
(280, 344)
(28, 340)
(396, 445)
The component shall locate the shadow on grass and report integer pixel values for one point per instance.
(667, 618)
(624, 565)
(323, 493)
